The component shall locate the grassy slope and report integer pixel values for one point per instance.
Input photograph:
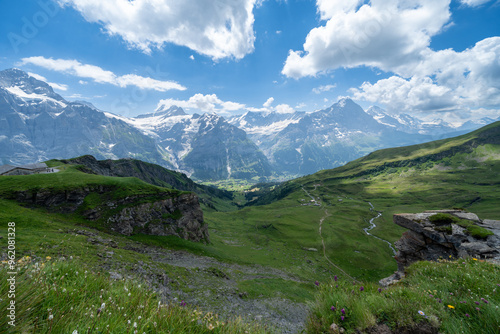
(460, 296)
(456, 172)
(70, 297)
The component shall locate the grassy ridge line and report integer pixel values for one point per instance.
(416, 154)
(212, 197)
(71, 178)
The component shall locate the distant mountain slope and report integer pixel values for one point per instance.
(415, 155)
(473, 155)
(205, 147)
(331, 137)
(37, 124)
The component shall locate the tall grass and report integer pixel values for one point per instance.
(64, 297)
(460, 296)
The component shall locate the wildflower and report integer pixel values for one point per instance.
(361, 289)
(474, 259)
(183, 303)
(102, 306)
(135, 324)
(451, 306)
(51, 317)
(210, 326)
(484, 300)
(316, 283)
(478, 309)
(48, 258)
(75, 332)
(335, 278)
(333, 308)
(467, 315)
(342, 317)
(139, 317)
(343, 311)
(477, 303)
(379, 290)
(421, 313)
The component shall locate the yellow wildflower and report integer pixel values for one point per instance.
(451, 306)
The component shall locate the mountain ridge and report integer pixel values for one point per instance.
(37, 124)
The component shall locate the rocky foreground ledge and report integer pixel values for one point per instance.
(430, 239)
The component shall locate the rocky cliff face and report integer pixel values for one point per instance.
(180, 216)
(430, 239)
(177, 214)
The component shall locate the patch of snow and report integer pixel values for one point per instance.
(271, 128)
(17, 91)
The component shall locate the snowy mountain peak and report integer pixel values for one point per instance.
(345, 101)
(85, 103)
(211, 119)
(164, 111)
(24, 85)
(24, 90)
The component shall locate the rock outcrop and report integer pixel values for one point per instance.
(180, 216)
(169, 213)
(430, 241)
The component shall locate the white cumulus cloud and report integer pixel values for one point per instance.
(383, 34)
(325, 88)
(268, 103)
(99, 75)
(284, 109)
(474, 3)
(444, 80)
(395, 37)
(218, 29)
(204, 103)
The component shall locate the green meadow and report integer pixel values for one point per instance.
(287, 242)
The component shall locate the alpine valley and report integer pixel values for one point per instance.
(37, 124)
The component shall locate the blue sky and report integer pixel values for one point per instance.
(428, 58)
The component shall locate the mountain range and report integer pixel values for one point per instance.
(38, 124)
